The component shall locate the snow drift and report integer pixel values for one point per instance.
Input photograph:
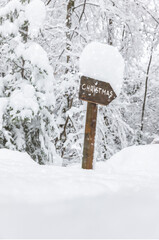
(136, 160)
(117, 200)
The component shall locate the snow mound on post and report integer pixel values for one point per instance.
(141, 160)
(103, 62)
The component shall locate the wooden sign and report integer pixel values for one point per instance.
(95, 91)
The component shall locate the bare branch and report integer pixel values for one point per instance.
(92, 4)
(156, 20)
(84, 5)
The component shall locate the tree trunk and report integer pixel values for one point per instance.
(70, 7)
(145, 94)
(146, 87)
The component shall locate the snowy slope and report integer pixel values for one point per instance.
(117, 200)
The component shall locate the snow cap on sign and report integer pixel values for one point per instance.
(104, 63)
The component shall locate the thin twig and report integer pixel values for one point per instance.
(92, 4)
(84, 5)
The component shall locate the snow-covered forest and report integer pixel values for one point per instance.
(46, 48)
(40, 45)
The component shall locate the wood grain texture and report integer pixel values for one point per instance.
(90, 130)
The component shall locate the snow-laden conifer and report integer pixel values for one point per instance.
(27, 85)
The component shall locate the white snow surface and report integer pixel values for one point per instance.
(23, 102)
(35, 12)
(10, 7)
(119, 199)
(103, 62)
(8, 28)
(34, 53)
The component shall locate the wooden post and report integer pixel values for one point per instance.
(94, 92)
(89, 139)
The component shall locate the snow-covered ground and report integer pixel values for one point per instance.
(119, 199)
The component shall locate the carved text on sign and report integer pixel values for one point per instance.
(93, 89)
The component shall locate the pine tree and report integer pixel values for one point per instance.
(28, 84)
